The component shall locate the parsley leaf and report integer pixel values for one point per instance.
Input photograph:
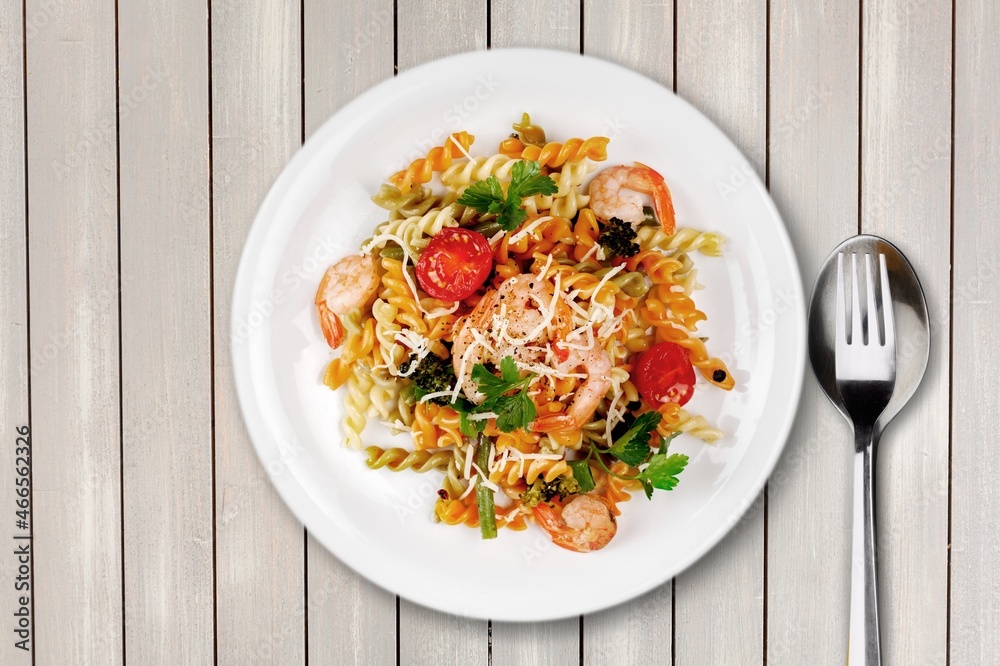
(489, 384)
(632, 448)
(512, 218)
(482, 195)
(526, 180)
(513, 410)
(469, 427)
(662, 472)
(508, 370)
(582, 474)
(486, 196)
(665, 443)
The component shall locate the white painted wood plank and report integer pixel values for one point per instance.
(905, 196)
(721, 69)
(551, 24)
(814, 112)
(256, 127)
(166, 331)
(554, 643)
(640, 37)
(975, 527)
(72, 173)
(13, 312)
(348, 49)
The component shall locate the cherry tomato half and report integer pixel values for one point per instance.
(454, 264)
(664, 374)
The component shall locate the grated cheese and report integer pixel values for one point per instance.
(467, 471)
(451, 137)
(590, 252)
(472, 484)
(534, 224)
(484, 479)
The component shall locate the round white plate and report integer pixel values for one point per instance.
(380, 522)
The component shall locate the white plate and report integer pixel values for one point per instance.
(379, 522)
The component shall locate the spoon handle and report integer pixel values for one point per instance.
(863, 648)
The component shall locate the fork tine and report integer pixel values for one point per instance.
(887, 316)
(857, 333)
(871, 319)
(841, 313)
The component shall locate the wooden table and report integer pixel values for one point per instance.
(138, 140)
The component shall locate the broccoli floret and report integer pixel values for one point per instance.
(618, 238)
(540, 491)
(433, 374)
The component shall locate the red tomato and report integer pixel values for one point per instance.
(664, 374)
(454, 264)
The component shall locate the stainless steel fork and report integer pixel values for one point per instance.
(866, 375)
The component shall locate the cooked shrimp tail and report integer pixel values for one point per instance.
(614, 193)
(583, 524)
(346, 285)
(597, 365)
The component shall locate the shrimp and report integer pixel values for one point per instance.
(608, 200)
(585, 523)
(523, 300)
(346, 285)
(597, 364)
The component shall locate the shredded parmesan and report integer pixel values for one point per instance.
(534, 224)
(467, 472)
(485, 479)
(590, 252)
(458, 143)
(472, 485)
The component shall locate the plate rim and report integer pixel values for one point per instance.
(299, 501)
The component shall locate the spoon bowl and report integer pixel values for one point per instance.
(912, 325)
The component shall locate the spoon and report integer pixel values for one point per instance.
(912, 333)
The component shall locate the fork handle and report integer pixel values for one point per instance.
(863, 648)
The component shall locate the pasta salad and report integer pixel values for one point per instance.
(531, 324)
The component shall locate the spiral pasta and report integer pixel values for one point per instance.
(437, 159)
(554, 154)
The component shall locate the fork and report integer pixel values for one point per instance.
(866, 374)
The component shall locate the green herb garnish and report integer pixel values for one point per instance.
(632, 448)
(506, 396)
(662, 472)
(486, 196)
(656, 470)
(581, 472)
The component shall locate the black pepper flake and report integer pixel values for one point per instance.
(442, 493)
(719, 376)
